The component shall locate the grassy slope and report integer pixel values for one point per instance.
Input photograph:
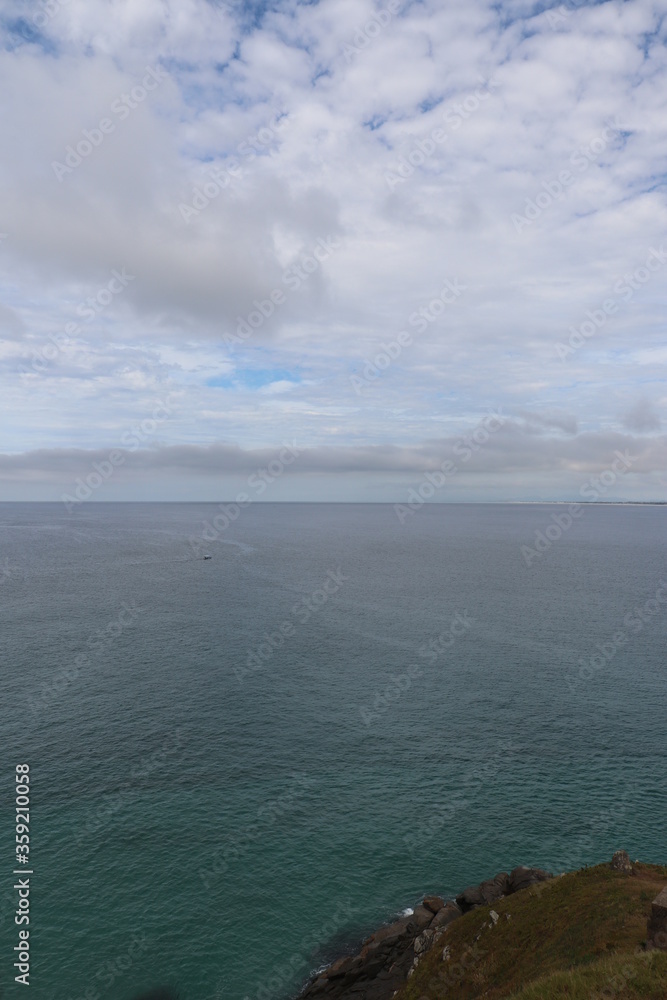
(574, 937)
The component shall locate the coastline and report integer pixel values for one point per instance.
(389, 956)
(387, 960)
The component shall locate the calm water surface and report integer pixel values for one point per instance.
(241, 765)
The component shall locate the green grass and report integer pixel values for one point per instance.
(570, 937)
(621, 977)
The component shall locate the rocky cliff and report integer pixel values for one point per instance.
(478, 943)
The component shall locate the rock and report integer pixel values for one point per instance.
(390, 955)
(522, 878)
(444, 917)
(657, 923)
(318, 986)
(422, 916)
(423, 941)
(371, 968)
(350, 980)
(484, 893)
(400, 928)
(620, 862)
(341, 966)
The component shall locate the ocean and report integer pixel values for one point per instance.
(241, 765)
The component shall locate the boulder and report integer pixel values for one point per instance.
(422, 916)
(399, 929)
(423, 941)
(343, 966)
(620, 862)
(484, 893)
(656, 936)
(522, 878)
(444, 917)
(433, 903)
(318, 986)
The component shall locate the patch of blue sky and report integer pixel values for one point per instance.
(20, 31)
(319, 73)
(430, 103)
(252, 378)
(374, 123)
(249, 13)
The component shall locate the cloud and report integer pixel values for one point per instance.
(565, 422)
(407, 145)
(510, 448)
(643, 417)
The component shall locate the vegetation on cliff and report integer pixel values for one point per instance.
(581, 936)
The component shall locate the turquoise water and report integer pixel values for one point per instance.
(427, 718)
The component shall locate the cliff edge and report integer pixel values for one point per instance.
(595, 933)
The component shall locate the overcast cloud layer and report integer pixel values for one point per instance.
(391, 236)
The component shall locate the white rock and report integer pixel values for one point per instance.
(423, 941)
(414, 965)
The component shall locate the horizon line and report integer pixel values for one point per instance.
(369, 503)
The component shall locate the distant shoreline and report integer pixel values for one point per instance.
(365, 503)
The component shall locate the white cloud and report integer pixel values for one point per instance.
(348, 121)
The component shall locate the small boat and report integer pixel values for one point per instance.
(208, 557)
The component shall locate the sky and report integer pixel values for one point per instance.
(339, 250)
